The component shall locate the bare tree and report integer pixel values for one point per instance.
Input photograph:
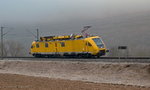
(4, 50)
(13, 48)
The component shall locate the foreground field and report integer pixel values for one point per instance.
(21, 82)
(133, 74)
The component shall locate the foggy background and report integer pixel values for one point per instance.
(119, 22)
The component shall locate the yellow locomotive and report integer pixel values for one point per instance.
(71, 45)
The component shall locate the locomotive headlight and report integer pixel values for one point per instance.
(101, 46)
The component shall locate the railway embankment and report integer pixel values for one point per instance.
(100, 72)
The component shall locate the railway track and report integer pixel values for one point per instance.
(80, 58)
(101, 59)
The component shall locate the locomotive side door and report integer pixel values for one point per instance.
(56, 48)
(88, 47)
(60, 47)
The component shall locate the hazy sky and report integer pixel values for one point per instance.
(53, 11)
(118, 21)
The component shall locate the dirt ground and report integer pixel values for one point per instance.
(68, 75)
(98, 72)
(21, 82)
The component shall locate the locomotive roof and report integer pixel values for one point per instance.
(67, 37)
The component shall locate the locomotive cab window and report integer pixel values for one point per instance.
(98, 42)
(62, 44)
(46, 45)
(32, 46)
(37, 45)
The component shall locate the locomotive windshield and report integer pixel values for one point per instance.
(98, 42)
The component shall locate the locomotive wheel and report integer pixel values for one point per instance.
(98, 56)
